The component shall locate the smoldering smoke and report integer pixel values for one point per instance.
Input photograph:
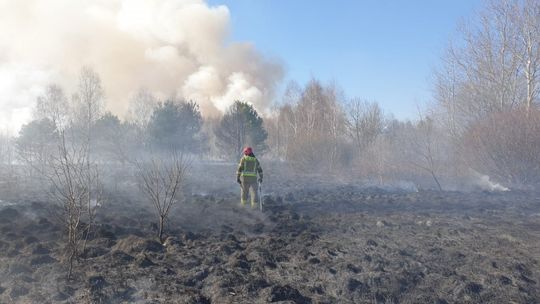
(174, 48)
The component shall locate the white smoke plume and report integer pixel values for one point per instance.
(171, 47)
(484, 182)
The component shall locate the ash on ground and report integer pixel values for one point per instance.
(334, 245)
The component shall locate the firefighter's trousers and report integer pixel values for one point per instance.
(249, 185)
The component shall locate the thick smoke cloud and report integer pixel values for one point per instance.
(171, 47)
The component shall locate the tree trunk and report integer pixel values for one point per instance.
(160, 231)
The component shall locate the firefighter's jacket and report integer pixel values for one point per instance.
(248, 168)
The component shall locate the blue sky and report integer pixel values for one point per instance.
(379, 50)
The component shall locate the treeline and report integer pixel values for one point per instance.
(151, 125)
(487, 93)
(484, 122)
(319, 131)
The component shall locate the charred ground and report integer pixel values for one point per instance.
(338, 244)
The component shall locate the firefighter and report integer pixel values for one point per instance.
(246, 176)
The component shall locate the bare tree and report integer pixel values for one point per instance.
(413, 151)
(88, 99)
(492, 82)
(526, 20)
(425, 147)
(163, 180)
(37, 139)
(447, 91)
(287, 128)
(8, 176)
(497, 66)
(365, 121)
(285, 122)
(89, 105)
(314, 128)
(375, 162)
(141, 107)
(77, 187)
(65, 161)
(71, 171)
(53, 105)
(505, 146)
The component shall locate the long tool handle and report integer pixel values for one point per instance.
(260, 198)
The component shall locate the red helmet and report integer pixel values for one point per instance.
(248, 150)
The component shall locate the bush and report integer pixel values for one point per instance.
(506, 147)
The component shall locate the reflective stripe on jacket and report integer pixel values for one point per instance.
(249, 166)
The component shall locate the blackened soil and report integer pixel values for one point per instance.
(341, 245)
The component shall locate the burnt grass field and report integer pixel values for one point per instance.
(335, 244)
